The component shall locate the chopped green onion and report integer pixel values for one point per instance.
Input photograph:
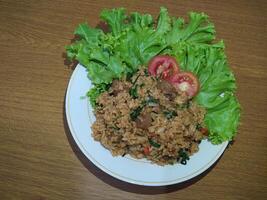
(154, 144)
(136, 112)
(133, 92)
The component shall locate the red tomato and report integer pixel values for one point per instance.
(185, 82)
(146, 150)
(163, 66)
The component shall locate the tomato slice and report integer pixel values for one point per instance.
(163, 66)
(186, 82)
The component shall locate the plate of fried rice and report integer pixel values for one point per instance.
(152, 101)
(150, 151)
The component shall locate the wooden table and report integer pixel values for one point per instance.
(38, 158)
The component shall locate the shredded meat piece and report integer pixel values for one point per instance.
(144, 121)
(167, 89)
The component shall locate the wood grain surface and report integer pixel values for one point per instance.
(38, 158)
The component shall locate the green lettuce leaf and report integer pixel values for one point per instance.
(91, 35)
(164, 21)
(198, 30)
(139, 21)
(94, 93)
(217, 87)
(115, 18)
(223, 120)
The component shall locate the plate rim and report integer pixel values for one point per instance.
(114, 174)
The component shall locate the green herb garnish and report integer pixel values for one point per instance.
(94, 93)
(184, 105)
(133, 89)
(183, 156)
(136, 112)
(154, 144)
(133, 92)
(170, 114)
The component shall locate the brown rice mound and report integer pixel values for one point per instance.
(147, 118)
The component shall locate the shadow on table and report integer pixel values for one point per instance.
(121, 184)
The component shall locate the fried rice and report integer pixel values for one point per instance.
(146, 117)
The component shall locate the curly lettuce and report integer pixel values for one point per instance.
(135, 38)
(217, 84)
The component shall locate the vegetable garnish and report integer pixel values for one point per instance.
(183, 156)
(153, 143)
(186, 82)
(132, 43)
(170, 114)
(136, 112)
(147, 150)
(167, 69)
(133, 91)
(163, 66)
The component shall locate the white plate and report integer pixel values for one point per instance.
(80, 118)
